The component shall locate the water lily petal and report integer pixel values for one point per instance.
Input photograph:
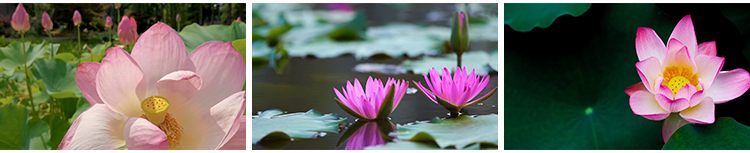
(120, 93)
(649, 71)
(212, 127)
(696, 98)
(98, 128)
(141, 134)
(671, 125)
(707, 48)
(238, 141)
(667, 103)
(673, 46)
(708, 67)
(86, 81)
(221, 68)
(636, 87)
(702, 113)
(643, 103)
(686, 92)
(648, 44)
(160, 51)
(367, 135)
(685, 33)
(683, 58)
(425, 91)
(65, 142)
(729, 85)
(179, 87)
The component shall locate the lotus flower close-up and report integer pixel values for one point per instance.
(375, 100)
(457, 92)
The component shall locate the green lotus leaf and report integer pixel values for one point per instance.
(58, 77)
(18, 132)
(194, 35)
(295, 125)
(724, 134)
(523, 17)
(458, 132)
(13, 57)
(58, 128)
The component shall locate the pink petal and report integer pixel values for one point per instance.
(673, 46)
(696, 98)
(682, 58)
(671, 125)
(729, 85)
(98, 128)
(708, 67)
(222, 70)
(226, 114)
(707, 48)
(86, 81)
(160, 51)
(685, 33)
(648, 44)
(649, 70)
(702, 113)
(367, 135)
(66, 140)
(238, 142)
(140, 134)
(660, 89)
(179, 87)
(425, 91)
(119, 83)
(643, 103)
(669, 104)
(636, 87)
(436, 83)
(686, 92)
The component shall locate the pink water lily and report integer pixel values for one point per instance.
(455, 93)
(46, 22)
(108, 22)
(127, 31)
(368, 135)
(159, 97)
(20, 21)
(76, 18)
(682, 77)
(375, 101)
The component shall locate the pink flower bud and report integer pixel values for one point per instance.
(46, 21)
(76, 18)
(117, 5)
(178, 17)
(20, 20)
(108, 23)
(239, 19)
(127, 31)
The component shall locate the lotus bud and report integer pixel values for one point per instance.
(108, 23)
(460, 32)
(46, 21)
(76, 18)
(20, 20)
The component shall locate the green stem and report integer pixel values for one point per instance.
(459, 59)
(28, 80)
(51, 54)
(178, 26)
(78, 47)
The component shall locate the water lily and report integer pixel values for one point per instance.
(127, 31)
(368, 133)
(108, 22)
(76, 18)
(455, 93)
(20, 21)
(682, 77)
(159, 97)
(460, 34)
(46, 22)
(376, 102)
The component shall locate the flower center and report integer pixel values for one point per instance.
(676, 77)
(156, 112)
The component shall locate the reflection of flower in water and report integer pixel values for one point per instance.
(370, 134)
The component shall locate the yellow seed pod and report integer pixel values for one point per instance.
(155, 108)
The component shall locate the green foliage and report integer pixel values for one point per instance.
(523, 17)
(458, 132)
(58, 77)
(274, 125)
(12, 58)
(724, 134)
(194, 35)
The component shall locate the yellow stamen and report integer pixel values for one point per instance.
(171, 129)
(677, 76)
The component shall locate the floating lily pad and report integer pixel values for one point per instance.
(18, 132)
(12, 57)
(194, 35)
(58, 77)
(523, 17)
(458, 132)
(724, 134)
(295, 125)
(477, 60)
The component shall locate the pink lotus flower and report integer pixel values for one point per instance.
(368, 135)
(239, 19)
(376, 102)
(20, 20)
(117, 5)
(159, 97)
(127, 31)
(76, 18)
(340, 7)
(681, 77)
(177, 18)
(108, 23)
(46, 22)
(454, 94)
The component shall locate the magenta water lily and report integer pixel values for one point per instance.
(455, 93)
(682, 77)
(375, 101)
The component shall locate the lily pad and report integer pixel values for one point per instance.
(194, 35)
(58, 77)
(724, 134)
(477, 60)
(296, 125)
(12, 57)
(458, 132)
(523, 17)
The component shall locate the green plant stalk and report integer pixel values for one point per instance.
(458, 55)
(178, 26)
(78, 47)
(118, 17)
(28, 83)
(51, 54)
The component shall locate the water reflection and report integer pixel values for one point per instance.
(366, 133)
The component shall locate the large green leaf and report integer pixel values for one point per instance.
(568, 94)
(296, 125)
(13, 57)
(18, 132)
(457, 132)
(58, 77)
(81, 106)
(476, 60)
(194, 35)
(724, 134)
(524, 17)
(58, 128)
